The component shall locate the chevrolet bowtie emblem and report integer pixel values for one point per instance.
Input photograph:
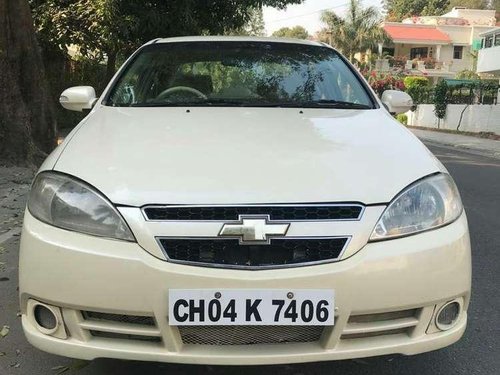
(254, 229)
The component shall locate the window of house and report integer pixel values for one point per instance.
(458, 52)
(497, 39)
(387, 51)
(488, 41)
(419, 53)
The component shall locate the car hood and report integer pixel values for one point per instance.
(139, 156)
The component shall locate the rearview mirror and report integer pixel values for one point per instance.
(78, 98)
(397, 101)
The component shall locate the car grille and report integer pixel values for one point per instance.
(277, 212)
(249, 335)
(229, 252)
(130, 319)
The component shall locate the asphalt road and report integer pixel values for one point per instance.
(477, 353)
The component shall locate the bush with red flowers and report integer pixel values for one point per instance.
(383, 81)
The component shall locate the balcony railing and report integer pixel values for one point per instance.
(402, 63)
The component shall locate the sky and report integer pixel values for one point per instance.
(306, 14)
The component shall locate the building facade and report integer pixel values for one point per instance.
(488, 61)
(436, 46)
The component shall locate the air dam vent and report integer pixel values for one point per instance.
(129, 319)
(249, 335)
(303, 212)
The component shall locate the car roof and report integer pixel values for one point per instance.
(235, 39)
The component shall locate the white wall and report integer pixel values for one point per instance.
(456, 65)
(476, 117)
(489, 60)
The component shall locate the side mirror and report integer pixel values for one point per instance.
(397, 101)
(78, 98)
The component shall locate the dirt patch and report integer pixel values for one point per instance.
(14, 187)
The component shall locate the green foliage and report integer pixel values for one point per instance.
(358, 31)
(113, 28)
(418, 88)
(397, 10)
(402, 118)
(415, 81)
(473, 92)
(105, 32)
(467, 74)
(255, 25)
(470, 4)
(62, 72)
(380, 82)
(440, 99)
(297, 32)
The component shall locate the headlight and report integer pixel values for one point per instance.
(428, 203)
(68, 203)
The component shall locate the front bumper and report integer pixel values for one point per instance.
(83, 273)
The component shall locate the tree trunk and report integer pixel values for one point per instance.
(27, 118)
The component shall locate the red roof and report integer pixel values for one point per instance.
(404, 32)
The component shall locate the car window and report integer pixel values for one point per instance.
(238, 74)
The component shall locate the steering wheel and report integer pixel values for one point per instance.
(172, 90)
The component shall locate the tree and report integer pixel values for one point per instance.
(358, 31)
(297, 32)
(397, 10)
(440, 100)
(467, 74)
(27, 122)
(495, 4)
(111, 29)
(255, 25)
(470, 4)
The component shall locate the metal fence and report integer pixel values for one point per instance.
(460, 92)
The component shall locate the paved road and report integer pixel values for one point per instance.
(477, 353)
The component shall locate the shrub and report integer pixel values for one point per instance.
(383, 81)
(429, 63)
(415, 81)
(398, 61)
(418, 88)
(402, 118)
(467, 74)
(440, 100)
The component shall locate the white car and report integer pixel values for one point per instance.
(234, 200)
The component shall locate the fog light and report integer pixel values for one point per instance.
(44, 317)
(448, 315)
(47, 319)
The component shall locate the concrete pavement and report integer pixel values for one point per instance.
(480, 146)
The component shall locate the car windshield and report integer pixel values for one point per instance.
(238, 74)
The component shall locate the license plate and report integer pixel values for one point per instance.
(251, 307)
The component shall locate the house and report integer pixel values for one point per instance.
(436, 46)
(488, 61)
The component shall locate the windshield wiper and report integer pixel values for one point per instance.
(256, 103)
(195, 103)
(308, 104)
(324, 103)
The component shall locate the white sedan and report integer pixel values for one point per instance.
(235, 200)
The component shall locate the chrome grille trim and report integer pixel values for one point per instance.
(243, 267)
(295, 215)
